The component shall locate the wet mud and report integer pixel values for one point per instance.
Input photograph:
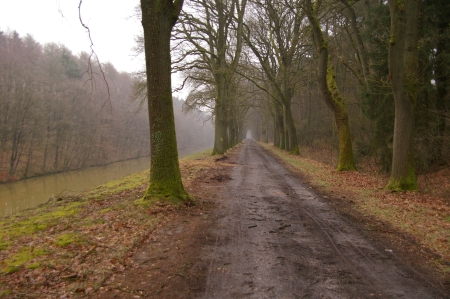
(275, 238)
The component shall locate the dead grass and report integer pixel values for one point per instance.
(424, 215)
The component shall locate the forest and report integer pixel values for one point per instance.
(350, 83)
(343, 193)
(333, 80)
(55, 116)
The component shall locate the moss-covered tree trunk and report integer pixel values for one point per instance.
(346, 160)
(403, 63)
(330, 92)
(158, 18)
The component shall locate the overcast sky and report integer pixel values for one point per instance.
(112, 23)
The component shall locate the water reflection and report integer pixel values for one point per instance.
(29, 193)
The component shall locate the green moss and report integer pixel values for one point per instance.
(17, 261)
(105, 210)
(401, 185)
(142, 202)
(5, 292)
(36, 223)
(346, 160)
(67, 239)
(295, 151)
(4, 245)
(391, 39)
(408, 182)
(346, 167)
(174, 196)
(126, 183)
(34, 265)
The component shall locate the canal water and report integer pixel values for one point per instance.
(29, 193)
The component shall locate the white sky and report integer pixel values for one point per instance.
(112, 23)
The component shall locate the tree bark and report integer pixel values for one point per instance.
(330, 93)
(291, 131)
(220, 129)
(403, 62)
(158, 18)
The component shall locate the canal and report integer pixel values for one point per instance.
(29, 193)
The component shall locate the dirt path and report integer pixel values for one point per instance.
(267, 236)
(276, 239)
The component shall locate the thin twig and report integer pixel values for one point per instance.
(89, 67)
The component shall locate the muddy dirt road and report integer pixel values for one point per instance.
(275, 238)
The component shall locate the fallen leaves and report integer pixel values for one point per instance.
(71, 246)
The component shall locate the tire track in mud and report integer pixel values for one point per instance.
(275, 238)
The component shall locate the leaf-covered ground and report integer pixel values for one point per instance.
(71, 246)
(424, 215)
(68, 247)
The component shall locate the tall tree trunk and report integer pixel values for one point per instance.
(158, 18)
(403, 62)
(220, 129)
(276, 139)
(280, 130)
(221, 125)
(346, 161)
(291, 136)
(330, 93)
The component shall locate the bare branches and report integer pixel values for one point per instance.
(92, 55)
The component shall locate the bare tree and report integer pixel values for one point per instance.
(275, 41)
(206, 31)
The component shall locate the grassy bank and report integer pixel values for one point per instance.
(423, 215)
(71, 245)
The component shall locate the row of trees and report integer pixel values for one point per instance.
(372, 73)
(56, 117)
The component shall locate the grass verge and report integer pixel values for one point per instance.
(68, 247)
